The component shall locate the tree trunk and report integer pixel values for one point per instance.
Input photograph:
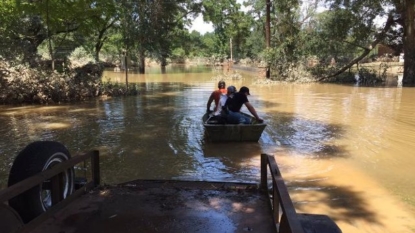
(163, 64)
(126, 68)
(30, 52)
(101, 38)
(96, 56)
(163, 69)
(142, 63)
(52, 54)
(98, 45)
(409, 42)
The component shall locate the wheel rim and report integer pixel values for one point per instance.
(45, 192)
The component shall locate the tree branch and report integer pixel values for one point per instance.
(356, 45)
(379, 37)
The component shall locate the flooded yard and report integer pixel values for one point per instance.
(345, 151)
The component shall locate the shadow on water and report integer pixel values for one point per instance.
(291, 135)
(348, 205)
(239, 159)
(308, 137)
(314, 140)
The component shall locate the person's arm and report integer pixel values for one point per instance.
(209, 102)
(253, 112)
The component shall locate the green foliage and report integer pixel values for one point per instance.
(30, 23)
(112, 48)
(10, 26)
(326, 41)
(80, 57)
(179, 55)
(107, 29)
(340, 33)
(229, 23)
(287, 40)
(154, 28)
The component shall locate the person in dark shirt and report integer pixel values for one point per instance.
(234, 106)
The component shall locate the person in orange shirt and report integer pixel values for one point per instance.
(215, 96)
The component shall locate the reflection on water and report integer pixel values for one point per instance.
(344, 151)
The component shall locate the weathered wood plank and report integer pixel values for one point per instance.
(96, 174)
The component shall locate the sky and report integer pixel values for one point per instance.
(202, 27)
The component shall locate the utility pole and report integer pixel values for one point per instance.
(268, 33)
(231, 48)
(126, 68)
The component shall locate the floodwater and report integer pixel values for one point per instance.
(344, 151)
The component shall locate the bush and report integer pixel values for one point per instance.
(80, 57)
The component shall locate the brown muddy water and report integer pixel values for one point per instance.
(345, 151)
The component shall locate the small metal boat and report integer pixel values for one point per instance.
(217, 132)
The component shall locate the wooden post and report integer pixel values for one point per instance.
(275, 202)
(96, 177)
(264, 163)
(126, 69)
(56, 188)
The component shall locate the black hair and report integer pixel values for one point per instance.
(221, 84)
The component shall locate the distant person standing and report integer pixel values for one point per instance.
(234, 106)
(215, 96)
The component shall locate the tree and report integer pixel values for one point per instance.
(406, 9)
(11, 46)
(365, 34)
(150, 27)
(167, 19)
(104, 15)
(255, 43)
(28, 24)
(228, 22)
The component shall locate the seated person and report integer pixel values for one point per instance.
(234, 106)
(222, 110)
(220, 115)
(215, 96)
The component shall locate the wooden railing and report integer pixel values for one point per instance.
(288, 220)
(55, 175)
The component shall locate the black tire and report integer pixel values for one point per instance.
(35, 158)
